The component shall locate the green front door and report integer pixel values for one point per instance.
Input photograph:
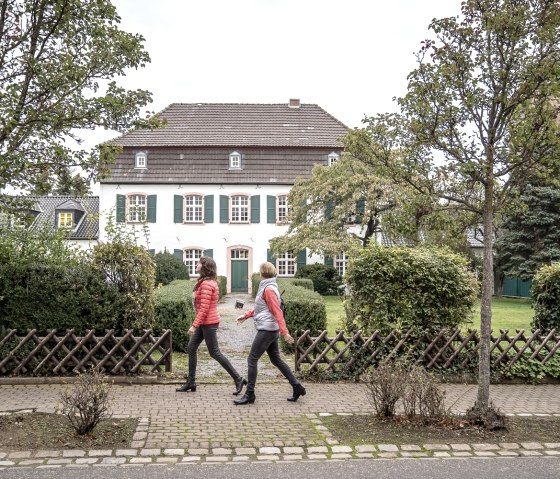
(239, 271)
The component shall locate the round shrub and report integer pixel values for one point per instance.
(169, 268)
(546, 297)
(326, 279)
(403, 288)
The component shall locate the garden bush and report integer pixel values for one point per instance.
(49, 296)
(169, 268)
(546, 298)
(174, 310)
(403, 288)
(326, 279)
(130, 269)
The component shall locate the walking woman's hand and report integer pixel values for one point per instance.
(288, 338)
(191, 330)
(241, 319)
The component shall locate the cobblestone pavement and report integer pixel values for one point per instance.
(206, 426)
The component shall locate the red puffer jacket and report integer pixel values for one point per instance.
(206, 303)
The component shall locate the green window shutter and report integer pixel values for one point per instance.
(208, 252)
(270, 257)
(328, 261)
(256, 209)
(224, 209)
(177, 209)
(271, 209)
(329, 210)
(209, 209)
(152, 252)
(178, 253)
(360, 210)
(152, 207)
(301, 259)
(121, 207)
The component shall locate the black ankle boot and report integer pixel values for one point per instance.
(299, 390)
(239, 383)
(188, 386)
(247, 398)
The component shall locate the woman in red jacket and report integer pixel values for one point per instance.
(205, 325)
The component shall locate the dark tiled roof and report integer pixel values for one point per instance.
(238, 125)
(88, 225)
(211, 165)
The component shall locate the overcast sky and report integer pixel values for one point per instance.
(351, 57)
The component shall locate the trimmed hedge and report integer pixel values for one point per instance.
(169, 268)
(545, 293)
(305, 309)
(174, 310)
(222, 284)
(326, 279)
(406, 288)
(67, 296)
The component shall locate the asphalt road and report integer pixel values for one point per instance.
(526, 468)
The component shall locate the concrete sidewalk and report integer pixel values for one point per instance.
(207, 426)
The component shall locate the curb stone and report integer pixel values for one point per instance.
(141, 456)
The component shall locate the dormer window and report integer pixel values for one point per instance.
(235, 160)
(141, 160)
(65, 219)
(332, 158)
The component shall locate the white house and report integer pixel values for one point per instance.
(215, 179)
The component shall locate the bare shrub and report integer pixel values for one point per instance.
(386, 386)
(88, 402)
(422, 398)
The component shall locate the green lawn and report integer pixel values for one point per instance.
(507, 313)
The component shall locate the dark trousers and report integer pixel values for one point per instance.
(266, 341)
(208, 334)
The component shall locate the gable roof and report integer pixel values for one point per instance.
(239, 124)
(88, 225)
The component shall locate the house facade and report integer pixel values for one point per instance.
(215, 181)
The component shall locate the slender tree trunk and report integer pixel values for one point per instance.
(483, 398)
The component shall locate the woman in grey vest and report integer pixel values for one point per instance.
(269, 323)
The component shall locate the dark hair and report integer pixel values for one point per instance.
(207, 270)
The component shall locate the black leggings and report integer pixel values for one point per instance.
(266, 341)
(208, 334)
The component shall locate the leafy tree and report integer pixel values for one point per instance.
(169, 268)
(478, 115)
(530, 238)
(337, 209)
(56, 60)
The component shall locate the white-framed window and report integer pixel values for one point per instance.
(141, 160)
(282, 209)
(239, 254)
(239, 206)
(340, 261)
(65, 220)
(286, 264)
(333, 158)
(136, 208)
(191, 258)
(193, 208)
(235, 160)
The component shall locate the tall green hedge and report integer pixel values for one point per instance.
(305, 309)
(49, 296)
(174, 310)
(546, 297)
(408, 288)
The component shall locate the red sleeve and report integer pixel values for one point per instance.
(250, 313)
(272, 302)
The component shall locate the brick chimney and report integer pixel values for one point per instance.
(294, 103)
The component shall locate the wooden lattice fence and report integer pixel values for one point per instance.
(57, 353)
(449, 349)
